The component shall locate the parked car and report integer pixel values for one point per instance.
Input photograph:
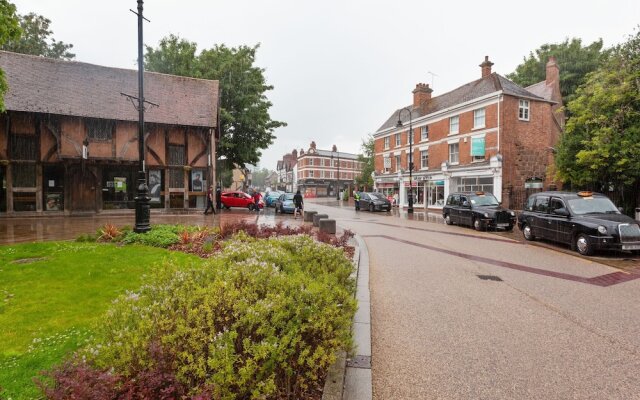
(271, 197)
(284, 204)
(238, 199)
(373, 201)
(481, 210)
(585, 220)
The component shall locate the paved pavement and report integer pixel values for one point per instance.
(459, 314)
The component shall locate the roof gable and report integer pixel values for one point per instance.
(44, 85)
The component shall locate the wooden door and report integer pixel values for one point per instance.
(83, 190)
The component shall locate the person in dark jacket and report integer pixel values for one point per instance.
(218, 198)
(209, 201)
(298, 203)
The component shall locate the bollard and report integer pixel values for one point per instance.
(318, 217)
(308, 215)
(327, 225)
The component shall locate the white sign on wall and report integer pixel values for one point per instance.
(387, 162)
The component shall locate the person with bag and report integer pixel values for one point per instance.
(298, 203)
(256, 200)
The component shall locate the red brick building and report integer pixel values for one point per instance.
(489, 134)
(69, 139)
(322, 172)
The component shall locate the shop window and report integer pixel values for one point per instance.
(156, 188)
(99, 129)
(176, 200)
(176, 178)
(24, 201)
(53, 188)
(118, 187)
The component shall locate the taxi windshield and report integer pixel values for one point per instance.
(377, 196)
(592, 205)
(288, 196)
(484, 200)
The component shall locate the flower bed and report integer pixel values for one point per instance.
(263, 319)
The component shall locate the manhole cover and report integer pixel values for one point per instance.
(490, 278)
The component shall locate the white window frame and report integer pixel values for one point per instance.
(398, 139)
(524, 110)
(311, 174)
(398, 162)
(456, 153)
(423, 159)
(424, 133)
(455, 119)
(311, 161)
(387, 143)
(479, 117)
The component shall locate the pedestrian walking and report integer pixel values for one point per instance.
(218, 198)
(256, 200)
(209, 201)
(298, 203)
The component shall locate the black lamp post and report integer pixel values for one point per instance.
(399, 125)
(142, 198)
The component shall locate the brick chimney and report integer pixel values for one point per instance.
(553, 71)
(313, 145)
(486, 67)
(334, 148)
(421, 94)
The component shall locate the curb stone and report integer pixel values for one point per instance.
(350, 378)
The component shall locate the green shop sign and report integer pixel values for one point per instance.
(477, 146)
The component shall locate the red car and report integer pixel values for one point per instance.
(238, 199)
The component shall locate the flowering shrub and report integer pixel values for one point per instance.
(262, 320)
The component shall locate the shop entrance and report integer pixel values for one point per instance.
(83, 190)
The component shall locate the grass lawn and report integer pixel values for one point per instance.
(51, 294)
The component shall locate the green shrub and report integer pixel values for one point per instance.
(263, 319)
(86, 238)
(159, 236)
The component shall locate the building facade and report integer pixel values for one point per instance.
(287, 170)
(489, 134)
(69, 138)
(323, 173)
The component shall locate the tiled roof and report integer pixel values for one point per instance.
(472, 90)
(44, 85)
(338, 154)
(541, 89)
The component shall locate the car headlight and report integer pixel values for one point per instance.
(602, 229)
(513, 214)
(486, 215)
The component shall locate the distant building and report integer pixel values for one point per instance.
(271, 181)
(287, 171)
(69, 142)
(322, 172)
(489, 134)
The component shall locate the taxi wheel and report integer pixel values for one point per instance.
(527, 232)
(447, 220)
(583, 246)
(477, 224)
(371, 208)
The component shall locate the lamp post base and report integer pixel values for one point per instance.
(410, 208)
(143, 208)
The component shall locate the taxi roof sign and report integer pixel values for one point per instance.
(479, 193)
(585, 193)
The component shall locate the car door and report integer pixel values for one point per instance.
(464, 211)
(560, 226)
(453, 204)
(541, 223)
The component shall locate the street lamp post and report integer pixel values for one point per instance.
(142, 199)
(399, 125)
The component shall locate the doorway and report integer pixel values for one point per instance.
(83, 190)
(3, 189)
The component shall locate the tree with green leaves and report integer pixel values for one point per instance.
(574, 60)
(36, 39)
(364, 180)
(601, 143)
(9, 30)
(247, 127)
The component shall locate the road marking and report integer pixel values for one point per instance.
(606, 280)
(493, 239)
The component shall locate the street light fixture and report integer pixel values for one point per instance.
(399, 125)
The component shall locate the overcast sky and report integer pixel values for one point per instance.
(340, 67)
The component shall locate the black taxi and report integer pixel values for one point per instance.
(585, 220)
(480, 210)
